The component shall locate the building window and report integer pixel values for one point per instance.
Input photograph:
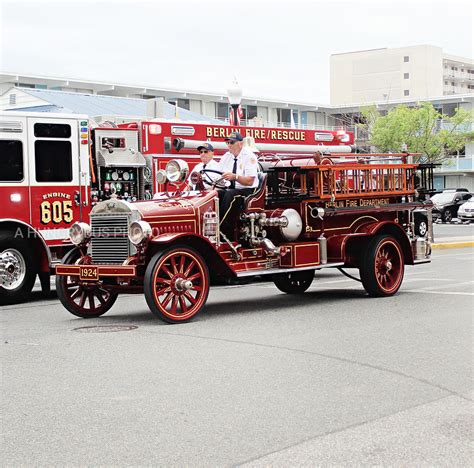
(11, 160)
(406, 76)
(406, 92)
(445, 82)
(406, 58)
(284, 115)
(26, 85)
(452, 83)
(222, 110)
(250, 112)
(12, 99)
(182, 103)
(53, 161)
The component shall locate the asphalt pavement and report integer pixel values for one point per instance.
(260, 378)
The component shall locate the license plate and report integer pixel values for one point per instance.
(88, 273)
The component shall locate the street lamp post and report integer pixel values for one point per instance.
(234, 94)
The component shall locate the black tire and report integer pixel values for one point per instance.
(294, 282)
(421, 226)
(93, 300)
(447, 215)
(19, 260)
(166, 292)
(382, 267)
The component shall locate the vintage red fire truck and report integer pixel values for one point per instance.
(55, 167)
(305, 215)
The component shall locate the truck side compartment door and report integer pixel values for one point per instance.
(54, 166)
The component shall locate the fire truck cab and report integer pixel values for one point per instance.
(53, 169)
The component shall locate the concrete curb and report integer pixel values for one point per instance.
(453, 245)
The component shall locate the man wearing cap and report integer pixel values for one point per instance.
(240, 168)
(206, 152)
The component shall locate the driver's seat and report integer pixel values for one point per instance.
(256, 200)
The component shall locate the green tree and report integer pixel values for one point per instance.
(421, 130)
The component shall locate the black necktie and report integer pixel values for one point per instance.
(204, 166)
(234, 171)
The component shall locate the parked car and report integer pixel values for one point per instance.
(447, 203)
(466, 211)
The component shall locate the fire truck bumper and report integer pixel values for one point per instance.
(94, 272)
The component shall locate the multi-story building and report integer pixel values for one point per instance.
(415, 72)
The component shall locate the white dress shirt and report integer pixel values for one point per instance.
(247, 166)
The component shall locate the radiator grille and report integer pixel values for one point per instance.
(109, 239)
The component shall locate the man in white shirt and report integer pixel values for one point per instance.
(240, 168)
(206, 152)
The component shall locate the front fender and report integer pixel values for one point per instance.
(216, 264)
(352, 245)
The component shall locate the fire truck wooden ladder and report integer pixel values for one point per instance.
(344, 181)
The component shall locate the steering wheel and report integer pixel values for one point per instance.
(219, 183)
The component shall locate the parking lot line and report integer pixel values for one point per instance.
(445, 293)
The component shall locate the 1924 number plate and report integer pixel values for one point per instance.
(88, 273)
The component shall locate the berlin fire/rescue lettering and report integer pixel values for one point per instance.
(258, 134)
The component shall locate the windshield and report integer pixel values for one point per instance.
(440, 198)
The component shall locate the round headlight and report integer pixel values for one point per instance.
(161, 177)
(139, 231)
(79, 232)
(177, 170)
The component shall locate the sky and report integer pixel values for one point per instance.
(276, 49)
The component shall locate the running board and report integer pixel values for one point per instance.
(272, 271)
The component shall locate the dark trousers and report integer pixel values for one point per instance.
(231, 202)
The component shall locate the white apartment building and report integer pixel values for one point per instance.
(415, 72)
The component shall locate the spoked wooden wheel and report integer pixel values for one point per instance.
(382, 267)
(176, 284)
(295, 282)
(82, 299)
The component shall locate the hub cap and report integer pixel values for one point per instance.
(12, 269)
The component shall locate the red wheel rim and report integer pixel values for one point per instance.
(90, 299)
(388, 266)
(180, 285)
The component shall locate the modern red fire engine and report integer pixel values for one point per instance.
(55, 167)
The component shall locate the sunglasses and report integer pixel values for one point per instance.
(230, 143)
(204, 151)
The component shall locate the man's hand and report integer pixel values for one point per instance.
(229, 176)
(243, 180)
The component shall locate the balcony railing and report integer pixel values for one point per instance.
(457, 163)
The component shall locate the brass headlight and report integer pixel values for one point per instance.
(79, 232)
(139, 231)
(177, 170)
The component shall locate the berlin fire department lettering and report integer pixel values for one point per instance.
(356, 202)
